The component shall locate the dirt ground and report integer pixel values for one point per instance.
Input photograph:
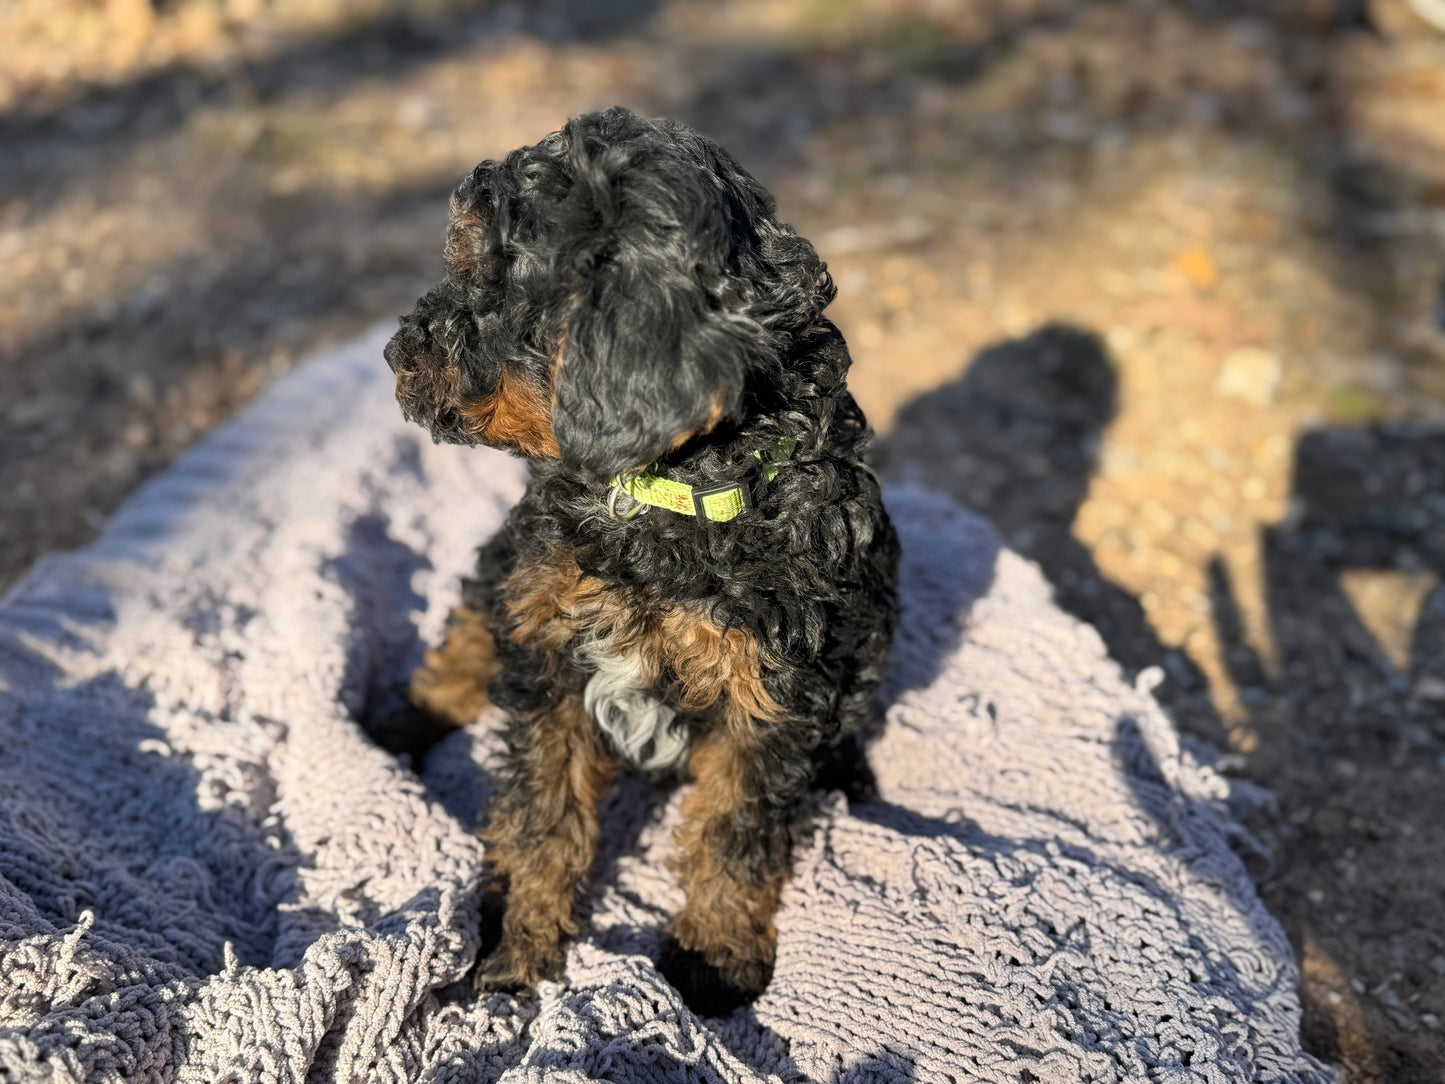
(1156, 285)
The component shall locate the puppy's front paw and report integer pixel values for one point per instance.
(514, 969)
(705, 988)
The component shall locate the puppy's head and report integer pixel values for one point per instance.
(611, 293)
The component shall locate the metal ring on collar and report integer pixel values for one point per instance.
(637, 509)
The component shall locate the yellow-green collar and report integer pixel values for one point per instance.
(718, 504)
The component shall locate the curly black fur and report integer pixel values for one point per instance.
(629, 275)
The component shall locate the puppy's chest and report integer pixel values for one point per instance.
(647, 659)
(639, 716)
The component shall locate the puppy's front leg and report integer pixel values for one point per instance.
(736, 843)
(542, 836)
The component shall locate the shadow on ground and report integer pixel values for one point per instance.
(1348, 714)
(1017, 438)
(1346, 718)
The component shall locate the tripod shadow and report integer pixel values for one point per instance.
(1351, 725)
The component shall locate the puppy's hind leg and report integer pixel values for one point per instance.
(448, 690)
(451, 683)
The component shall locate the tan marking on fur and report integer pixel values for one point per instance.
(451, 682)
(552, 603)
(544, 843)
(709, 422)
(713, 664)
(543, 596)
(516, 415)
(727, 918)
(559, 357)
(438, 382)
(460, 253)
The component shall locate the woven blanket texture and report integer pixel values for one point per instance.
(208, 873)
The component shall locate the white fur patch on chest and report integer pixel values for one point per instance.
(639, 723)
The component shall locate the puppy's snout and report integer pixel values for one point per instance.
(416, 344)
(405, 350)
(394, 356)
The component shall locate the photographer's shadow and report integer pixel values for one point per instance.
(1017, 439)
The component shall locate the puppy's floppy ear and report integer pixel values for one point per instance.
(649, 359)
(678, 285)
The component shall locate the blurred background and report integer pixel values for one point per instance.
(1156, 284)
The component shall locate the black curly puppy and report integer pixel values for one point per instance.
(700, 577)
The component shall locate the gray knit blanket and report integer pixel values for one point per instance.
(209, 873)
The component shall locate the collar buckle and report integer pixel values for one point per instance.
(722, 511)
